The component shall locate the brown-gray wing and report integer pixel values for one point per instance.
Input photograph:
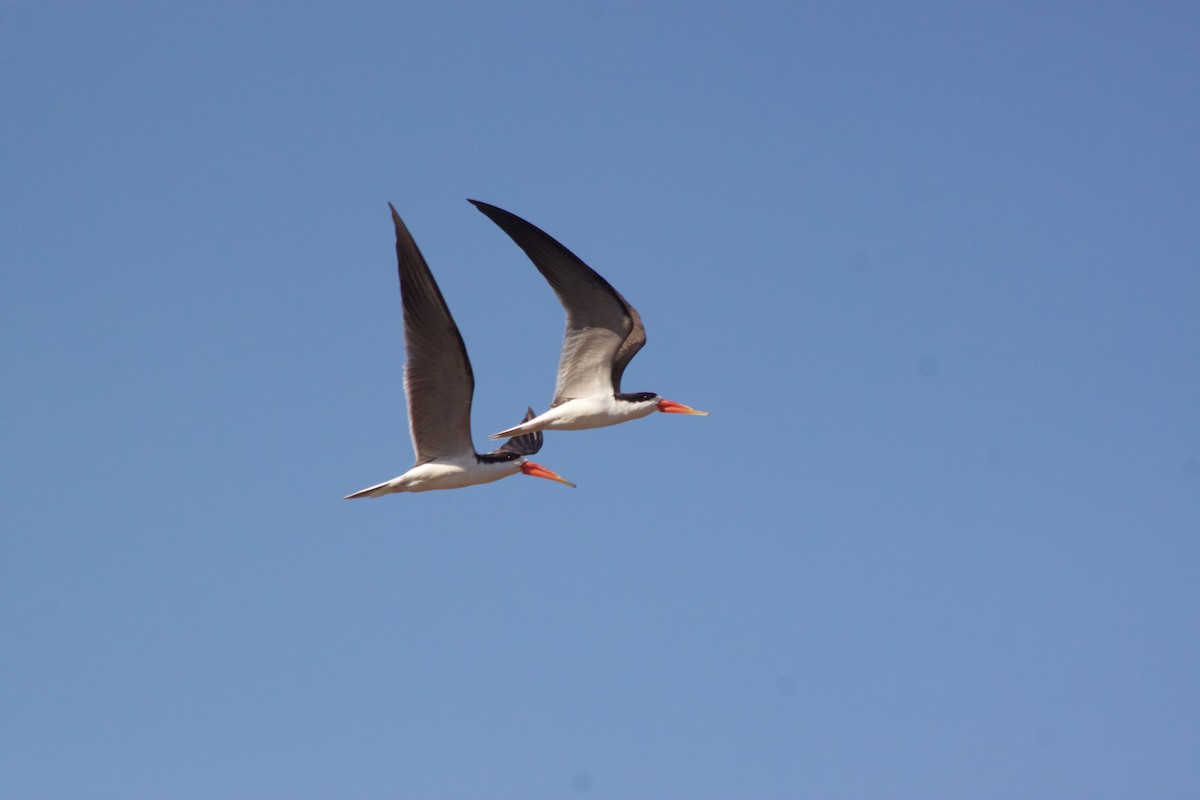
(603, 330)
(438, 380)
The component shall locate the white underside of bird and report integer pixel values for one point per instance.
(452, 473)
(584, 413)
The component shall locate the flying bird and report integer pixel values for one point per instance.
(439, 385)
(604, 332)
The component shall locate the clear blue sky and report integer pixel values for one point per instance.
(934, 268)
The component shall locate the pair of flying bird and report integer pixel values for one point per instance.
(603, 333)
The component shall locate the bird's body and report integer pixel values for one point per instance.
(446, 473)
(452, 472)
(584, 413)
(604, 332)
(439, 385)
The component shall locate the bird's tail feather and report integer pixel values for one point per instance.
(378, 490)
(515, 431)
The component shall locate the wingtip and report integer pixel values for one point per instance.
(486, 208)
(398, 223)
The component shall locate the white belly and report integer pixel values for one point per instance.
(445, 474)
(591, 412)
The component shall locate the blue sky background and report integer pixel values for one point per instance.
(934, 268)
